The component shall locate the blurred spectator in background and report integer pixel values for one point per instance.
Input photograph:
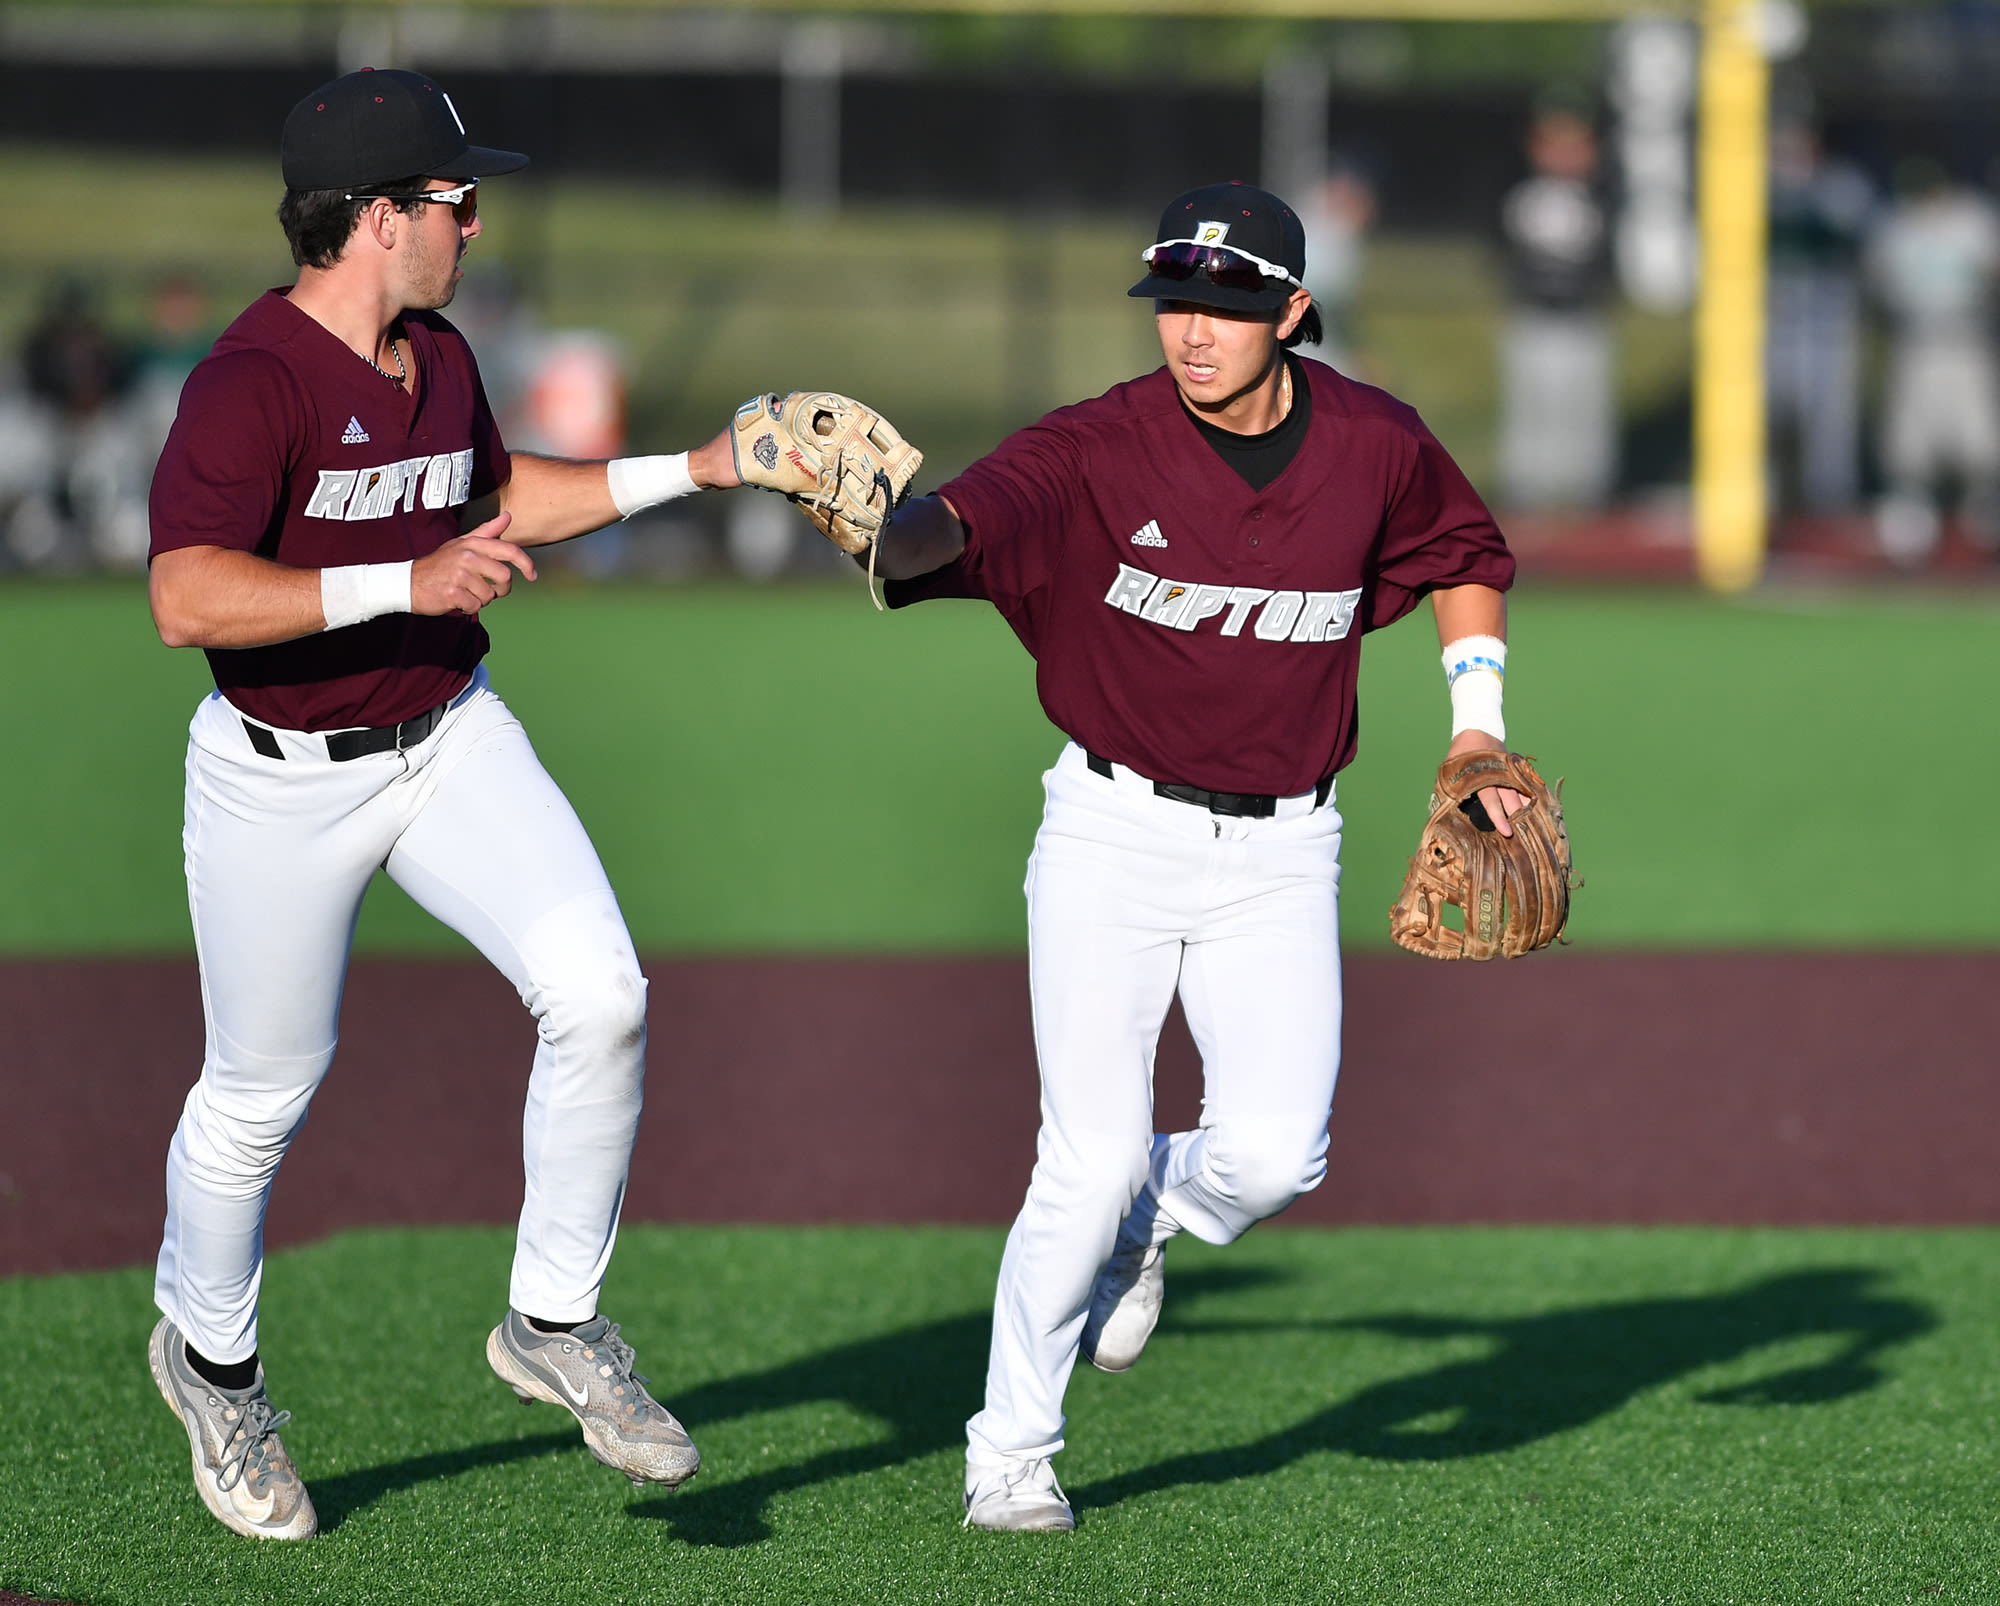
(28, 526)
(1558, 423)
(68, 359)
(1820, 214)
(1337, 216)
(178, 330)
(178, 333)
(67, 509)
(1932, 265)
(572, 404)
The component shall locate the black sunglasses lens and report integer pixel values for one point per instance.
(1235, 275)
(1231, 272)
(1223, 269)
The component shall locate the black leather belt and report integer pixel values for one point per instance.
(1238, 805)
(344, 745)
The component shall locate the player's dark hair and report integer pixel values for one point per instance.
(1310, 330)
(319, 223)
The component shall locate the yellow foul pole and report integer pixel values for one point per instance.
(1729, 487)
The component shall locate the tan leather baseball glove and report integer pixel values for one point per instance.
(843, 463)
(1513, 891)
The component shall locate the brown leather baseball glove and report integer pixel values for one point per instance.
(843, 463)
(1513, 891)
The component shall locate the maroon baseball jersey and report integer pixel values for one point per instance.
(290, 446)
(1186, 625)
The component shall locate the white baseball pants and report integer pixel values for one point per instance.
(1131, 896)
(279, 854)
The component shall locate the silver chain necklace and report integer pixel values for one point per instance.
(400, 377)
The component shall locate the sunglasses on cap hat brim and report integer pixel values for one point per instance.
(1214, 276)
(1222, 265)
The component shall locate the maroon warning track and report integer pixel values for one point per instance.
(1624, 1088)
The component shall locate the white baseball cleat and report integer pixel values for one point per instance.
(589, 1373)
(241, 1470)
(1008, 1495)
(1124, 1307)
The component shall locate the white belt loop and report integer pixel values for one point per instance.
(1299, 806)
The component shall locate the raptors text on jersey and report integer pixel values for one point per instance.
(1280, 615)
(372, 493)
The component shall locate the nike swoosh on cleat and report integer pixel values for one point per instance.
(580, 1395)
(257, 1508)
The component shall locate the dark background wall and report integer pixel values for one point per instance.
(1011, 128)
(1072, 144)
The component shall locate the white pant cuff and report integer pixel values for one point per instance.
(981, 1451)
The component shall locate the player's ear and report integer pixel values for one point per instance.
(1296, 305)
(378, 218)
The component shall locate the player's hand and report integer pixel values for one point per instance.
(713, 466)
(465, 574)
(1499, 802)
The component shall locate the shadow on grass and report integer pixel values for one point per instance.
(921, 1383)
(1557, 1371)
(1542, 1375)
(337, 1499)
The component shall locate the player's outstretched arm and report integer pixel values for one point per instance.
(1474, 613)
(924, 535)
(555, 498)
(209, 596)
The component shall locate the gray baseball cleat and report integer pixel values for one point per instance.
(241, 1470)
(1007, 1495)
(1124, 1307)
(589, 1374)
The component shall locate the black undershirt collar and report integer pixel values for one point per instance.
(1260, 459)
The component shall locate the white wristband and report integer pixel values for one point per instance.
(363, 591)
(640, 482)
(1475, 668)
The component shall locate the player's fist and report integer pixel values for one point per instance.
(463, 575)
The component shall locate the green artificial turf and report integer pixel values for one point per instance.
(784, 769)
(1486, 1414)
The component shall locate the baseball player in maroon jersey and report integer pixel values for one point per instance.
(331, 513)
(1192, 559)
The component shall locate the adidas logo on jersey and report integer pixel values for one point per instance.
(354, 434)
(1148, 534)
(1281, 615)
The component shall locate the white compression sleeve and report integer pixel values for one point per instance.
(641, 482)
(1475, 668)
(363, 591)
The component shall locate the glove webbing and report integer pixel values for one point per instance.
(826, 499)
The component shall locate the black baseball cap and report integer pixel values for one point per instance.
(1238, 218)
(377, 125)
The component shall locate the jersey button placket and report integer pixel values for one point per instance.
(1256, 516)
